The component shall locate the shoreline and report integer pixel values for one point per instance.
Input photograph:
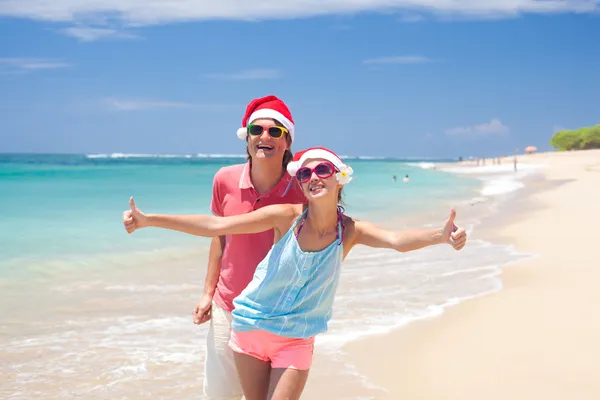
(137, 304)
(123, 301)
(510, 344)
(473, 212)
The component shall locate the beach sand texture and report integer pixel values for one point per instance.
(537, 338)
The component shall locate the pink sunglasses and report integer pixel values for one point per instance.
(323, 170)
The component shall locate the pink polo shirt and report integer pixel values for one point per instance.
(234, 194)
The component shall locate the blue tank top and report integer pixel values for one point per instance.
(292, 291)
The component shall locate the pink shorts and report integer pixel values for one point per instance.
(282, 352)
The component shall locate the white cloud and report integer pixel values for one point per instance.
(398, 60)
(29, 64)
(493, 128)
(89, 34)
(250, 74)
(143, 12)
(147, 104)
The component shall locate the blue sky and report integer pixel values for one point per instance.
(404, 78)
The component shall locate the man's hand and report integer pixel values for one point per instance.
(133, 218)
(452, 234)
(203, 310)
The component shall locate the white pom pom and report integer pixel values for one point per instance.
(292, 168)
(242, 133)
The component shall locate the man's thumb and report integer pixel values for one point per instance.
(132, 204)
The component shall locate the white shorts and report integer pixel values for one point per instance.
(221, 380)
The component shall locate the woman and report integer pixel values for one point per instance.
(290, 298)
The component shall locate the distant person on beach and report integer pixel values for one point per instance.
(289, 300)
(268, 131)
(394, 178)
(405, 179)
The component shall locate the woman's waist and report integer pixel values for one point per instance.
(309, 308)
(294, 325)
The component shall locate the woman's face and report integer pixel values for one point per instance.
(322, 182)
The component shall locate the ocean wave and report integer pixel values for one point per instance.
(201, 155)
(495, 187)
(423, 164)
(497, 179)
(120, 155)
(129, 333)
(158, 155)
(370, 158)
(507, 168)
(399, 290)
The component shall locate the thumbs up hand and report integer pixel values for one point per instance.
(133, 218)
(452, 234)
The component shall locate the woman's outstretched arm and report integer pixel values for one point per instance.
(371, 235)
(256, 221)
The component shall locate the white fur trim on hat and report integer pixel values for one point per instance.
(242, 133)
(267, 113)
(294, 166)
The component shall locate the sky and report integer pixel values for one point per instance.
(396, 78)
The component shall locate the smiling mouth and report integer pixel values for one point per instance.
(264, 147)
(315, 188)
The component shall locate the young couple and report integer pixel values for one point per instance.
(279, 239)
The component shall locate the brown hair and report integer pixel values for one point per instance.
(340, 196)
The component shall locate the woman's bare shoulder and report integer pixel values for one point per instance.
(286, 214)
(291, 210)
(284, 210)
(349, 226)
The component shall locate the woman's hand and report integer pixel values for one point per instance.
(453, 234)
(133, 218)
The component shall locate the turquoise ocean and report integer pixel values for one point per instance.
(91, 312)
(68, 207)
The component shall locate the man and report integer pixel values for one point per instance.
(268, 129)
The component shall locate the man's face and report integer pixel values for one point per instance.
(264, 146)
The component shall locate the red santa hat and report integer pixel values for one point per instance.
(267, 107)
(345, 171)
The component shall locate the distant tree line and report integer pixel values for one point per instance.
(579, 139)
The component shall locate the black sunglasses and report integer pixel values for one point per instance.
(274, 131)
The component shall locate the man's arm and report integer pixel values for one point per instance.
(217, 245)
(203, 310)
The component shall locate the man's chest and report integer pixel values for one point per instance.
(246, 201)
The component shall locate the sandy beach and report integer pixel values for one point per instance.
(96, 328)
(537, 338)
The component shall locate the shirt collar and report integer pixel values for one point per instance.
(245, 181)
(278, 190)
(283, 186)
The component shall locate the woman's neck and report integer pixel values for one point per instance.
(322, 218)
